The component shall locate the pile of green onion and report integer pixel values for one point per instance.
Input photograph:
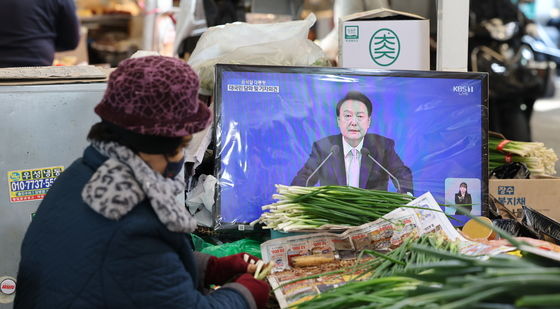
(402, 257)
(456, 281)
(393, 262)
(301, 208)
(446, 279)
(539, 159)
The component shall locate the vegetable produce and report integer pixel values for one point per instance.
(392, 262)
(310, 260)
(402, 257)
(452, 280)
(260, 265)
(300, 208)
(457, 281)
(265, 271)
(539, 159)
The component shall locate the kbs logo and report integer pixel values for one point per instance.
(463, 90)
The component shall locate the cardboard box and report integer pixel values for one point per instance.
(541, 194)
(384, 39)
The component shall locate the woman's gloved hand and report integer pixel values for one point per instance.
(258, 288)
(221, 270)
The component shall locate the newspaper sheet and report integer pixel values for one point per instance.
(342, 249)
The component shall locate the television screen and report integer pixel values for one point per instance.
(407, 131)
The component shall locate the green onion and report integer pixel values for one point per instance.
(538, 300)
(539, 159)
(454, 282)
(299, 208)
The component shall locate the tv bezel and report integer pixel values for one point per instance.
(221, 68)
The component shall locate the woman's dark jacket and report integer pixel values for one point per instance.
(72, 257)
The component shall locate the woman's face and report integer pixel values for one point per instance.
(462, 189)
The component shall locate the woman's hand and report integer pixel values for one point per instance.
(252, 267)
(221, 270)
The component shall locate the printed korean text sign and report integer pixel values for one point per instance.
(370, 40)
(31, 184)
(541, 194)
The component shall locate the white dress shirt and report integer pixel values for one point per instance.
(347, 150)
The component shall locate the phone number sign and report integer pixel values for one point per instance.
(29, 185)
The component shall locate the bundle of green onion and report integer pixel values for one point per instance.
(393, 262)
(300, 208)
(402, 257)
(539, 159)
(456, 281)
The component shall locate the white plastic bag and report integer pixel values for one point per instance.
(198, 144)
(266, 44)
(200, 200)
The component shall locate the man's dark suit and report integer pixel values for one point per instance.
(333, 172)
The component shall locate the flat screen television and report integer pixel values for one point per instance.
(421, 131)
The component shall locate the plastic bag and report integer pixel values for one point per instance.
(541, 224)
(199, 243)
(200, 200)
(515, 170)
(266, 44)
(250, 246)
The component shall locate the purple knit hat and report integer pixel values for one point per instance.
(154, 95)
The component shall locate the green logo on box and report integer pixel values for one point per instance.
(384, 47)
(351, 32)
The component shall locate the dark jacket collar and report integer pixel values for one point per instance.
(93, 158)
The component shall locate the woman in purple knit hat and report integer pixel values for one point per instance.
(110, 232)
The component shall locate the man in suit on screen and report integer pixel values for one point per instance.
(354, 157)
